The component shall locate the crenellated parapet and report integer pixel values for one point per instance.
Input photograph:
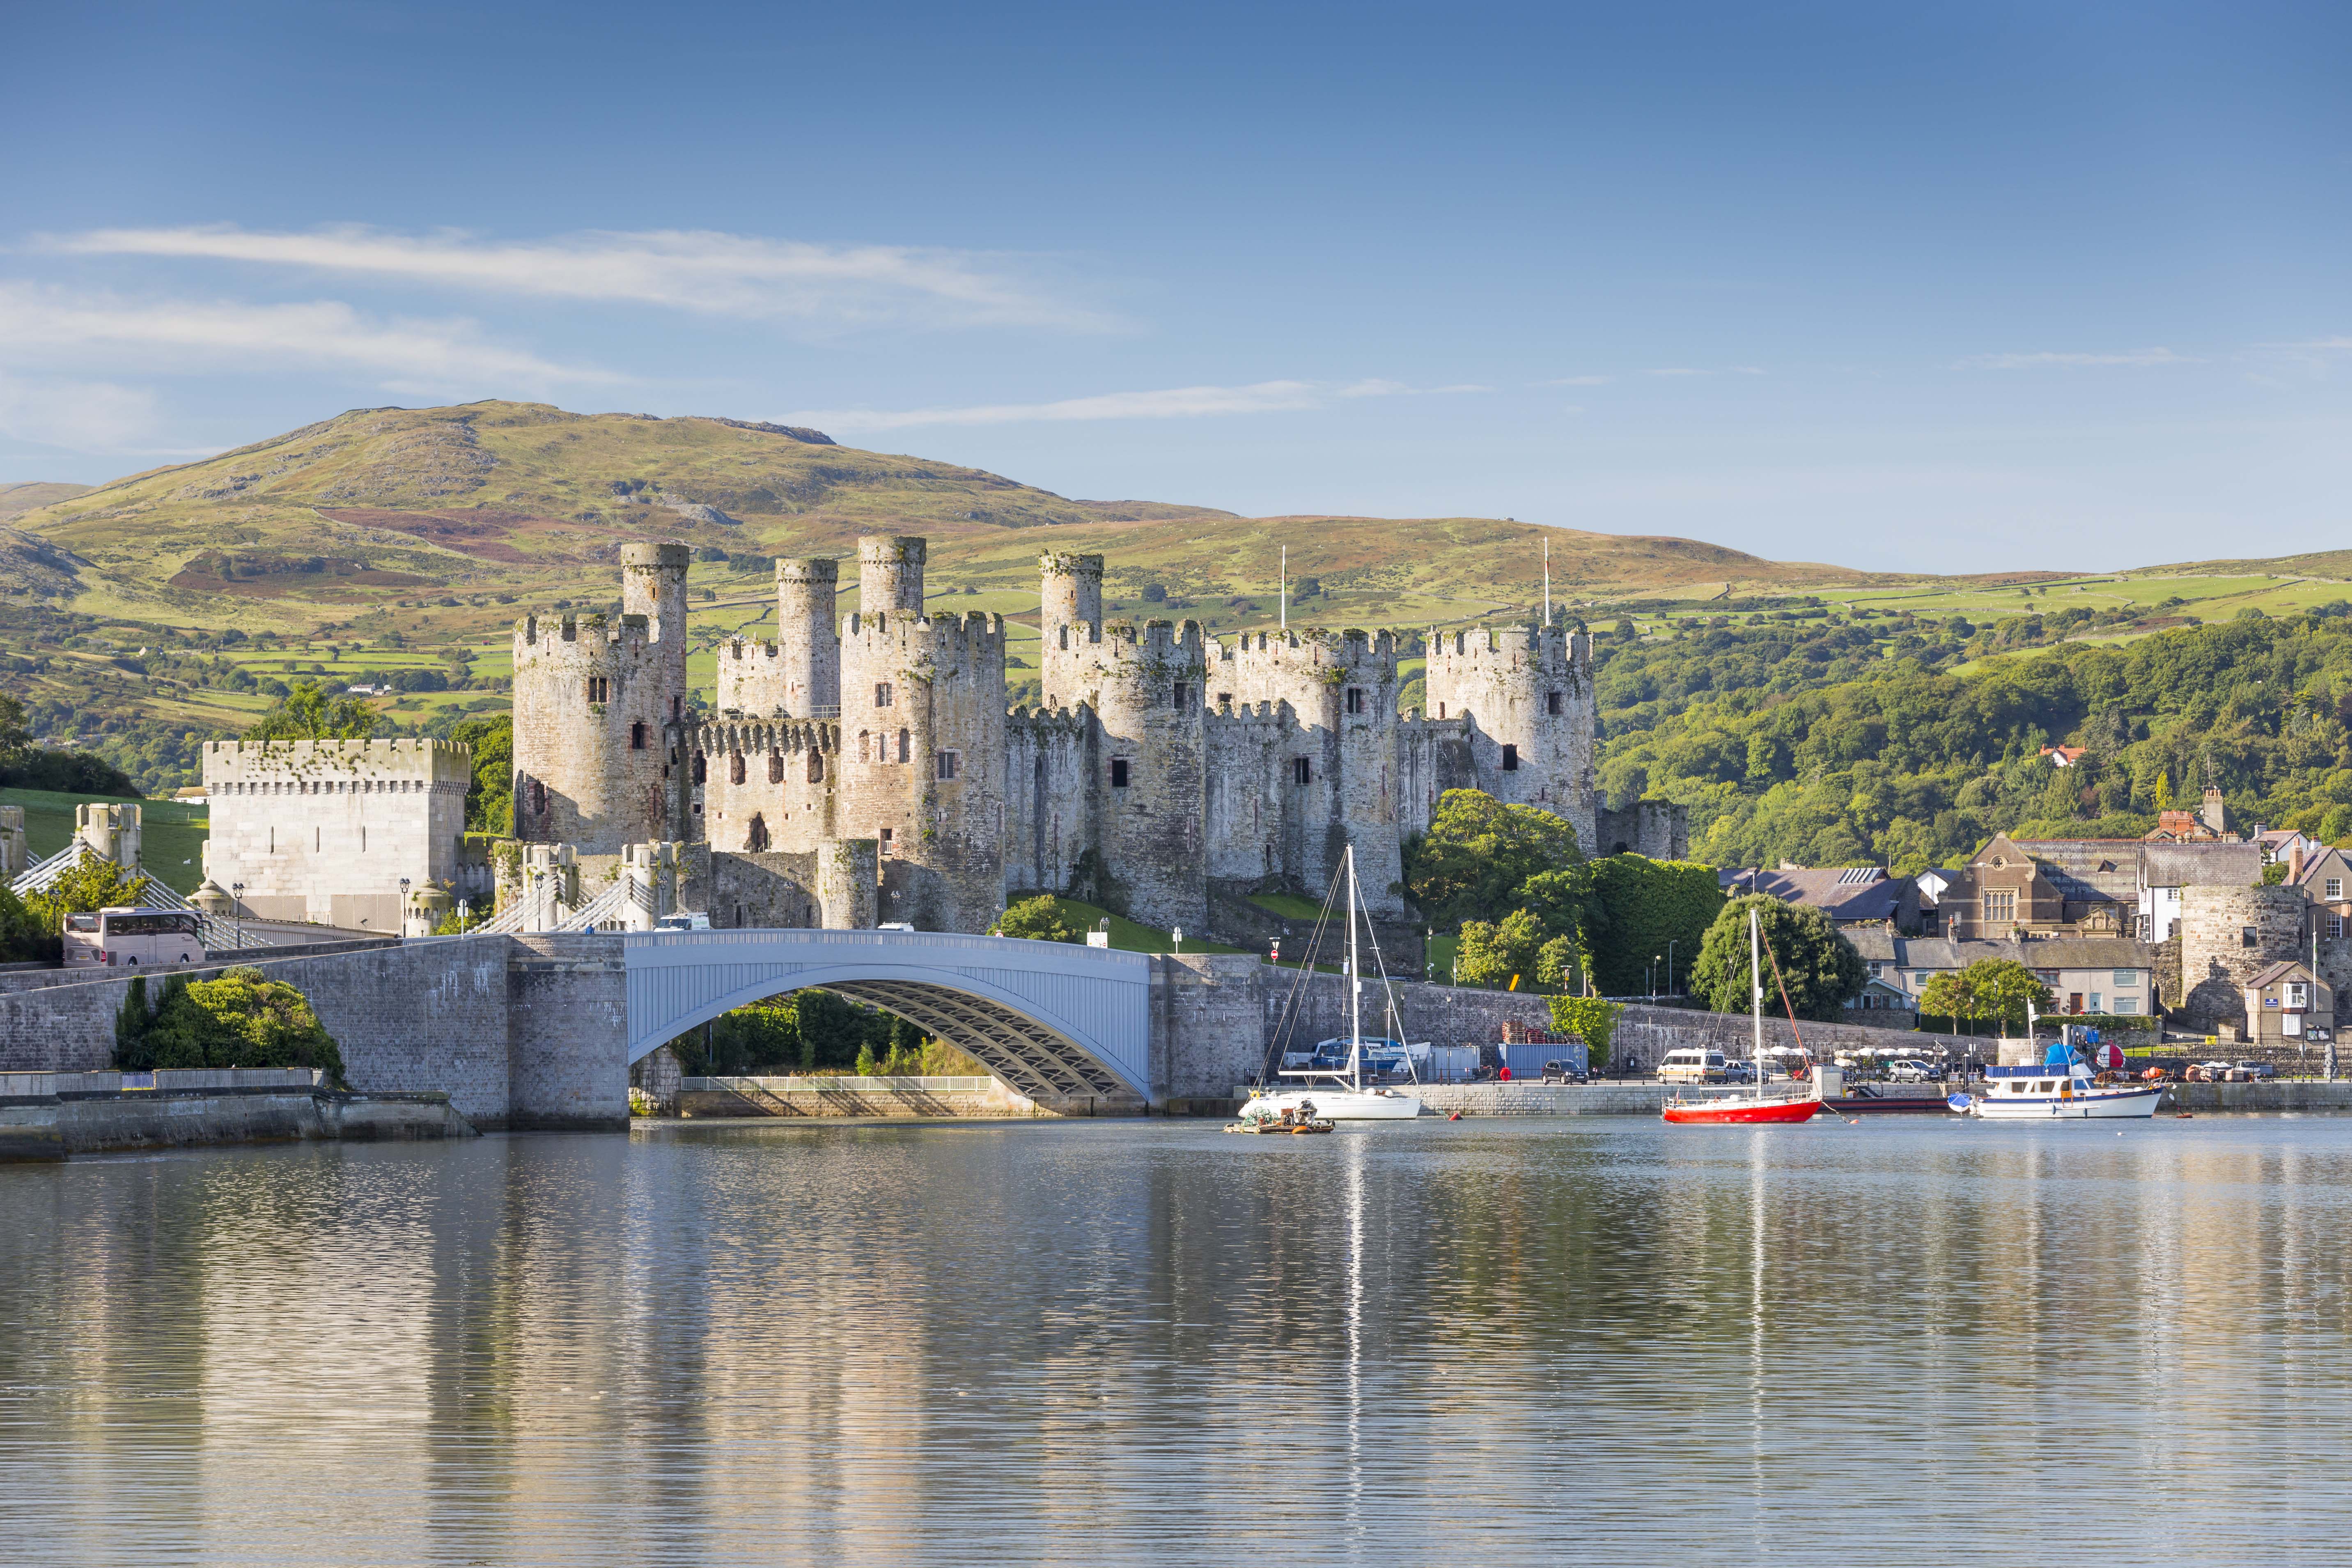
(1525, 698)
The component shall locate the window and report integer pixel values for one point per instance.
(2246, 936)
(2045, 1086)
(2001, 907)
(947, 764)
(1119, 773)
(1551, 703)
(863, 736)
(1510, 759)
(598, 690)
(886, 843)
(775, 767)
(906, 750)
(815, 766)
(881, 694)
(1441, 709)
(755, 837)
(1179, 696)
(638, 736)
(2126, 977)
(1224, 699)
(2125, 1007)
(734, 767)
(676, 706)
(2298, 994)
(2335, 887)
(701, 767)
(1355, 700)
(2336, 926)
(1302, 771)
(537, 799)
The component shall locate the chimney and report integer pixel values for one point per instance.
(2214, 813)
(2295, 866)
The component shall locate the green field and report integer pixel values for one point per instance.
(1126, 936)
(172, 841)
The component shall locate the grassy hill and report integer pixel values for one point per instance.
(399, 546)
(20, 497)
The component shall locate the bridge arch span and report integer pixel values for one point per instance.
(1052, 1019)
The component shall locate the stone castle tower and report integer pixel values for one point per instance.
(593, 703)
(1165, 774)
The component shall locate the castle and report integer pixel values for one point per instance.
(1165, 772)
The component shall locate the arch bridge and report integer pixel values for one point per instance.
(1052, 1020)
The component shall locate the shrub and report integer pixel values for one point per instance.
(1590, 1019)
(238, 1020)
(1037, 920)
(1818, 966)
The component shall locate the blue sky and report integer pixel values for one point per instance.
(1951, 288)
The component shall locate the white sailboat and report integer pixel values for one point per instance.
(1338, 1094)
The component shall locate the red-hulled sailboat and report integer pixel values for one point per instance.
(1759, 1110)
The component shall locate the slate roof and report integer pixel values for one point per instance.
(2277, 971)
(2200, 865)
(2085, 871)
(1842, 893)
(2041, 953)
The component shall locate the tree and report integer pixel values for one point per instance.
(1493, 954)
(23, 935)
(1478, 851)
(90, 883)
(1992, 988)
(1640, 911)
(490, 802)
(310, 712)
(1820, 968)
(1590, 1019)
(1037, 920)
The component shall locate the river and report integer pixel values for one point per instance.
(1486, 1341)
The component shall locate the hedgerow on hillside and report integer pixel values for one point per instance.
(1914, 767)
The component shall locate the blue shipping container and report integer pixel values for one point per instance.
(1528, 1061)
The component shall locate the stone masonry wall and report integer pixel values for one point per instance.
(568, 1031)
(2216, 959)
(327, 830)
(419, 1014)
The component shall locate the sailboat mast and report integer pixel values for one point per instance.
(1281, 588)
(1355, 985)
(1755, 995)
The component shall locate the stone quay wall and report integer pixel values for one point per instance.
(480, 1019)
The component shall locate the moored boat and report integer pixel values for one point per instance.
(1338, 1093)
(1759, 1110)
(2055, 1091)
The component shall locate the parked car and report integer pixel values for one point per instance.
(1692, 1066)
(1910, 1070)
(1739, 1072)
(1564, 1072)
(2257, 1070)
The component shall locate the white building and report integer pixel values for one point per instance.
(325, 831)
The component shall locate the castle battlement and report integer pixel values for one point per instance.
(1548, 647)
(304, 767)
(1049, 721)
(975, 632)
(754, 737)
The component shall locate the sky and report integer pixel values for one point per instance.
(1919, 287)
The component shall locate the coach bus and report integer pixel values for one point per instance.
(133, 938)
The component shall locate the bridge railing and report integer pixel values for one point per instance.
(927, 942)
(839, 1084)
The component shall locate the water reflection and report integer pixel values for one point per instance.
(1474, 1342)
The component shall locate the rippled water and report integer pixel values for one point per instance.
(1600, 1341)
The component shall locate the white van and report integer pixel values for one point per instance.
(1693, 1067)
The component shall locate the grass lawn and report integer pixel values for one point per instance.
(172, 840)
(1289, 906)
(1124, 934)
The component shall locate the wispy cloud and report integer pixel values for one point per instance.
(2045, 358)
(77, 327)
(698, 271)
(1172, 403)
(79, 415)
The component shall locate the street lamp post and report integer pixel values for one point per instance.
(1670, 967)
(237, 891)
(1655, 959)
(404, 908)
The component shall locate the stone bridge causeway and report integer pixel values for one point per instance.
(540, 1030)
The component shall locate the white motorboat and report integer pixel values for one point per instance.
(2050, 1092)
(1338, 1094)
